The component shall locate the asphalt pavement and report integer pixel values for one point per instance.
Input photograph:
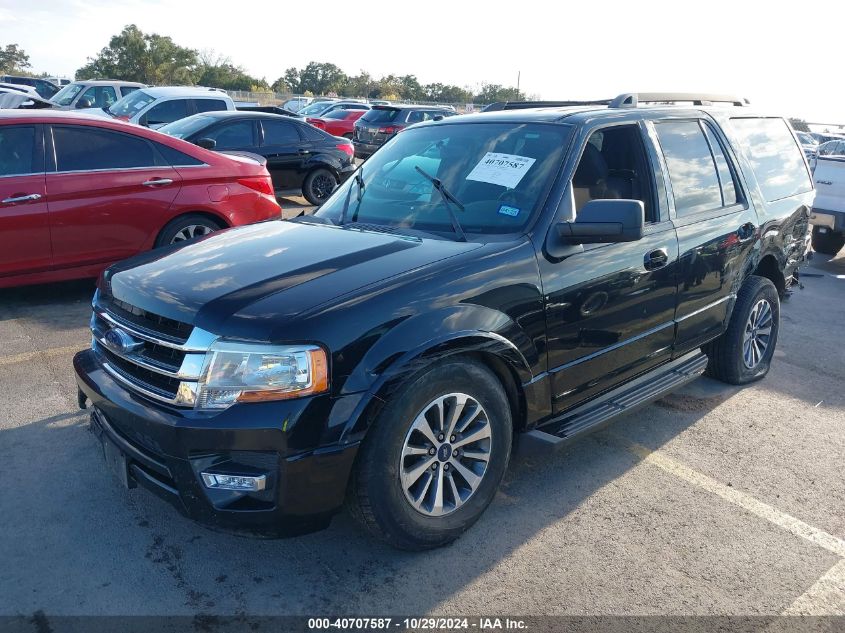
(714, 500)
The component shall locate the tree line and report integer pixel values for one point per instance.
(133, 55)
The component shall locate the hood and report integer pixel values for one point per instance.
(209, 281)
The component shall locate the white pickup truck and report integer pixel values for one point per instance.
(828, 213)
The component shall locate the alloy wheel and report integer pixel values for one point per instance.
(323, 185)
(758, 333)
(190, 232)
(445, 454)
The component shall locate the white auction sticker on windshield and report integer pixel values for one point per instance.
(501, 169)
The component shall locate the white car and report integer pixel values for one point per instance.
(828, 213)
(154, 107)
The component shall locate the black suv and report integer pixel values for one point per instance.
(525, 275)
(383, 122)
(299, 156)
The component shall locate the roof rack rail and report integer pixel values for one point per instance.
(633, 99)
(521, 105)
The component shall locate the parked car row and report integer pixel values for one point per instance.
(79, 192)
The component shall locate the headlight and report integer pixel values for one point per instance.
(242, 372)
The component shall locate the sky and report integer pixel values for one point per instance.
(777, 54)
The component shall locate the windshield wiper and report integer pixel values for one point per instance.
(448, 201)
(359, 180)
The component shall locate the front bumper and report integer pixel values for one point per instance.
(832, 220)
(165, 450)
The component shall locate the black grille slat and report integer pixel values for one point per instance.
(144, 378)
(153, 323)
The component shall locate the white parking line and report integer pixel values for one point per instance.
(734, 496)
(25, 356)
(825, 597)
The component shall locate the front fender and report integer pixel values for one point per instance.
(418, 342)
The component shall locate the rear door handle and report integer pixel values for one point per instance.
(303, 151)
(655, 259)
(157, 182)
(31, 197)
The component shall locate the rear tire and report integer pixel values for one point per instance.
(744, 352)
(184, 228)
(319, 185)
(828, 243)
(416, 500)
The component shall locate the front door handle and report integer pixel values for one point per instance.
(746, 231)
(824, 182)
(655, 259)
(31, 197)
(157, 182)
(303, 152)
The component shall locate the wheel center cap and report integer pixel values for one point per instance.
(444, 452)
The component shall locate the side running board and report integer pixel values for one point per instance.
(629, 397)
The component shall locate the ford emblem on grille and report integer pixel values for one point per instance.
(120, 341)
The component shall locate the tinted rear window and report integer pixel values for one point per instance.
(379, 115)
(210, 105)
(692, 171)
(777, 160)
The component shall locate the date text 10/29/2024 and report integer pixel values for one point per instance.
(417, 624)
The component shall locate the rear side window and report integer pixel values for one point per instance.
(379, 115)
(280, 133)
(167, 112)
(726, 178)
(210, 105)
(125, 90)
(17, 150)
(176, 158)
(775, 156)
(84, 149)
(692, 170)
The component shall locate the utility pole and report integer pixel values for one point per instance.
(518, 75)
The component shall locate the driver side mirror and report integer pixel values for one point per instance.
(84, 102)
(598, 222)
(206, 143)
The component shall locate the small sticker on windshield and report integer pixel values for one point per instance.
(501, 169)
(506, 210)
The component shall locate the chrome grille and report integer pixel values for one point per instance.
(154, 356)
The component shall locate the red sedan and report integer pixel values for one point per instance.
(78, 193)
(338, 122)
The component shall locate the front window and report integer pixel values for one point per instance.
(65, 96)
(131, 104)
(498, 172)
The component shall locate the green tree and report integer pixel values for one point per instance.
(446, 94)
(410, 88)
(799, 125)
(13, 59)
(217, 71)
(322, 78)
(492, 93)
(133, 55)
(289, 82)
(359, 85)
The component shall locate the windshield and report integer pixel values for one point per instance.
(499, 172)
(130, 104)
(66, 95)
(183, 128)
(316, 108)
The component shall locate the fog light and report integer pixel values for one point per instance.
(234, 482)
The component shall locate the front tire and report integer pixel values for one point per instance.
(744, 352)
(433, 459)
(828, 243)
(319, 185)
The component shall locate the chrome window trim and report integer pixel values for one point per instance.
(30, 173)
